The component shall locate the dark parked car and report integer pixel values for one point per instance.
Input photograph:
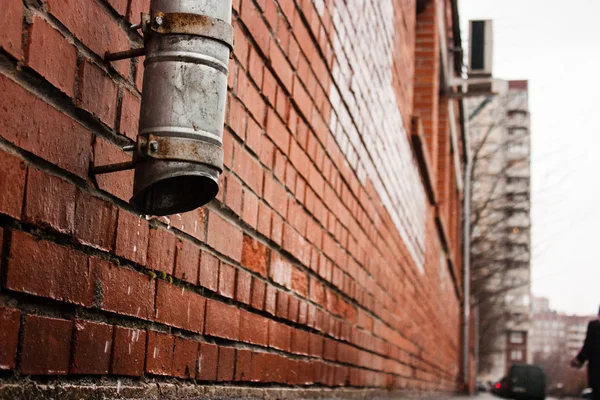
(482, 387)
(523, 382)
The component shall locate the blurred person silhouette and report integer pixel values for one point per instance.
(590, 352)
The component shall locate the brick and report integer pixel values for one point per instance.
(226, 280)
(129, 352)
(185, 356)
(255, 255)
(46, 346)
(233, 194)
(280, 336)
(161, 250)
(42, 130)
(271, 299)
(317, 292)
(303, 313)
(209, 271)
(226, 364)
(254, 137)
(93, 26)
(264, 219)
(95, 221)
(315, 345)
(136, 8)
(242, 46)
(187, 258)
(92, 346)
(139, 72)
(300, 340)
(297, 217)
(224, 237)
(12, 25)
(12, 184)
(208, 362)
(282, 67)
(10, 322)
(299, 282)
(179, 307)
(283, 301)
(275, 195)
(299, 159)
(118, 184)
(253, 328)
(293, 309)
(243, 284)
(50, 201)
(119, 6)
(311, 317)
(258, 366)
(248, 168)
(49, 53)
(252, 99)
(123, 290)
(330, 349)
(280, 271)
(191, 223)
(255, 67)
(250, 210)
(282, 103)
(252, 18)
(280, 164)
(302, 98)
(243, 365)
(267, 152)
(258, 294)
(132, 237)
(269, 87)
(159, 353)
(277, 368)
(65, 276)
(222, 320)
(278, 132)
(238, 118)
(97, 93)
(130, 115)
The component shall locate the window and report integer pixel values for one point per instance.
(516, 355)
(516, 337)
(517, 131)
(516, 147)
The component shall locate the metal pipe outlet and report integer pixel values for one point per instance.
(179, 151)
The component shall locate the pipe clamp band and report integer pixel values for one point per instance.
(188, 24)
(180, 149)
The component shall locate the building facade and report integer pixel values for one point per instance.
(500, 142)
(554, 332)
(331, 257)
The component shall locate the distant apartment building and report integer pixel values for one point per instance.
(556, 333)
(540, 305)
(500, 144)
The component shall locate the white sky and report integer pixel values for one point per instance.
(556, 46)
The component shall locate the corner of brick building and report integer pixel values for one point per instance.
(322, 266)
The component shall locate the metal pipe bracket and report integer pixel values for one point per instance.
(158, 22)
(170, 148)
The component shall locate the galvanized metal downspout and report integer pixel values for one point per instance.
(467, 259)
(183, 108)
(445, 55)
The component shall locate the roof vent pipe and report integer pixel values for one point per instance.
(179, 154)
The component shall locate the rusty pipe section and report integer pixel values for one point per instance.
(179, 148)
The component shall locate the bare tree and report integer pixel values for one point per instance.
(499, 248)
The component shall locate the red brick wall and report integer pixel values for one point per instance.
(318, 264)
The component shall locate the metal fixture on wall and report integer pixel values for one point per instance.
(179, 155)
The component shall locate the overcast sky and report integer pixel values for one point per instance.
(556, 46)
